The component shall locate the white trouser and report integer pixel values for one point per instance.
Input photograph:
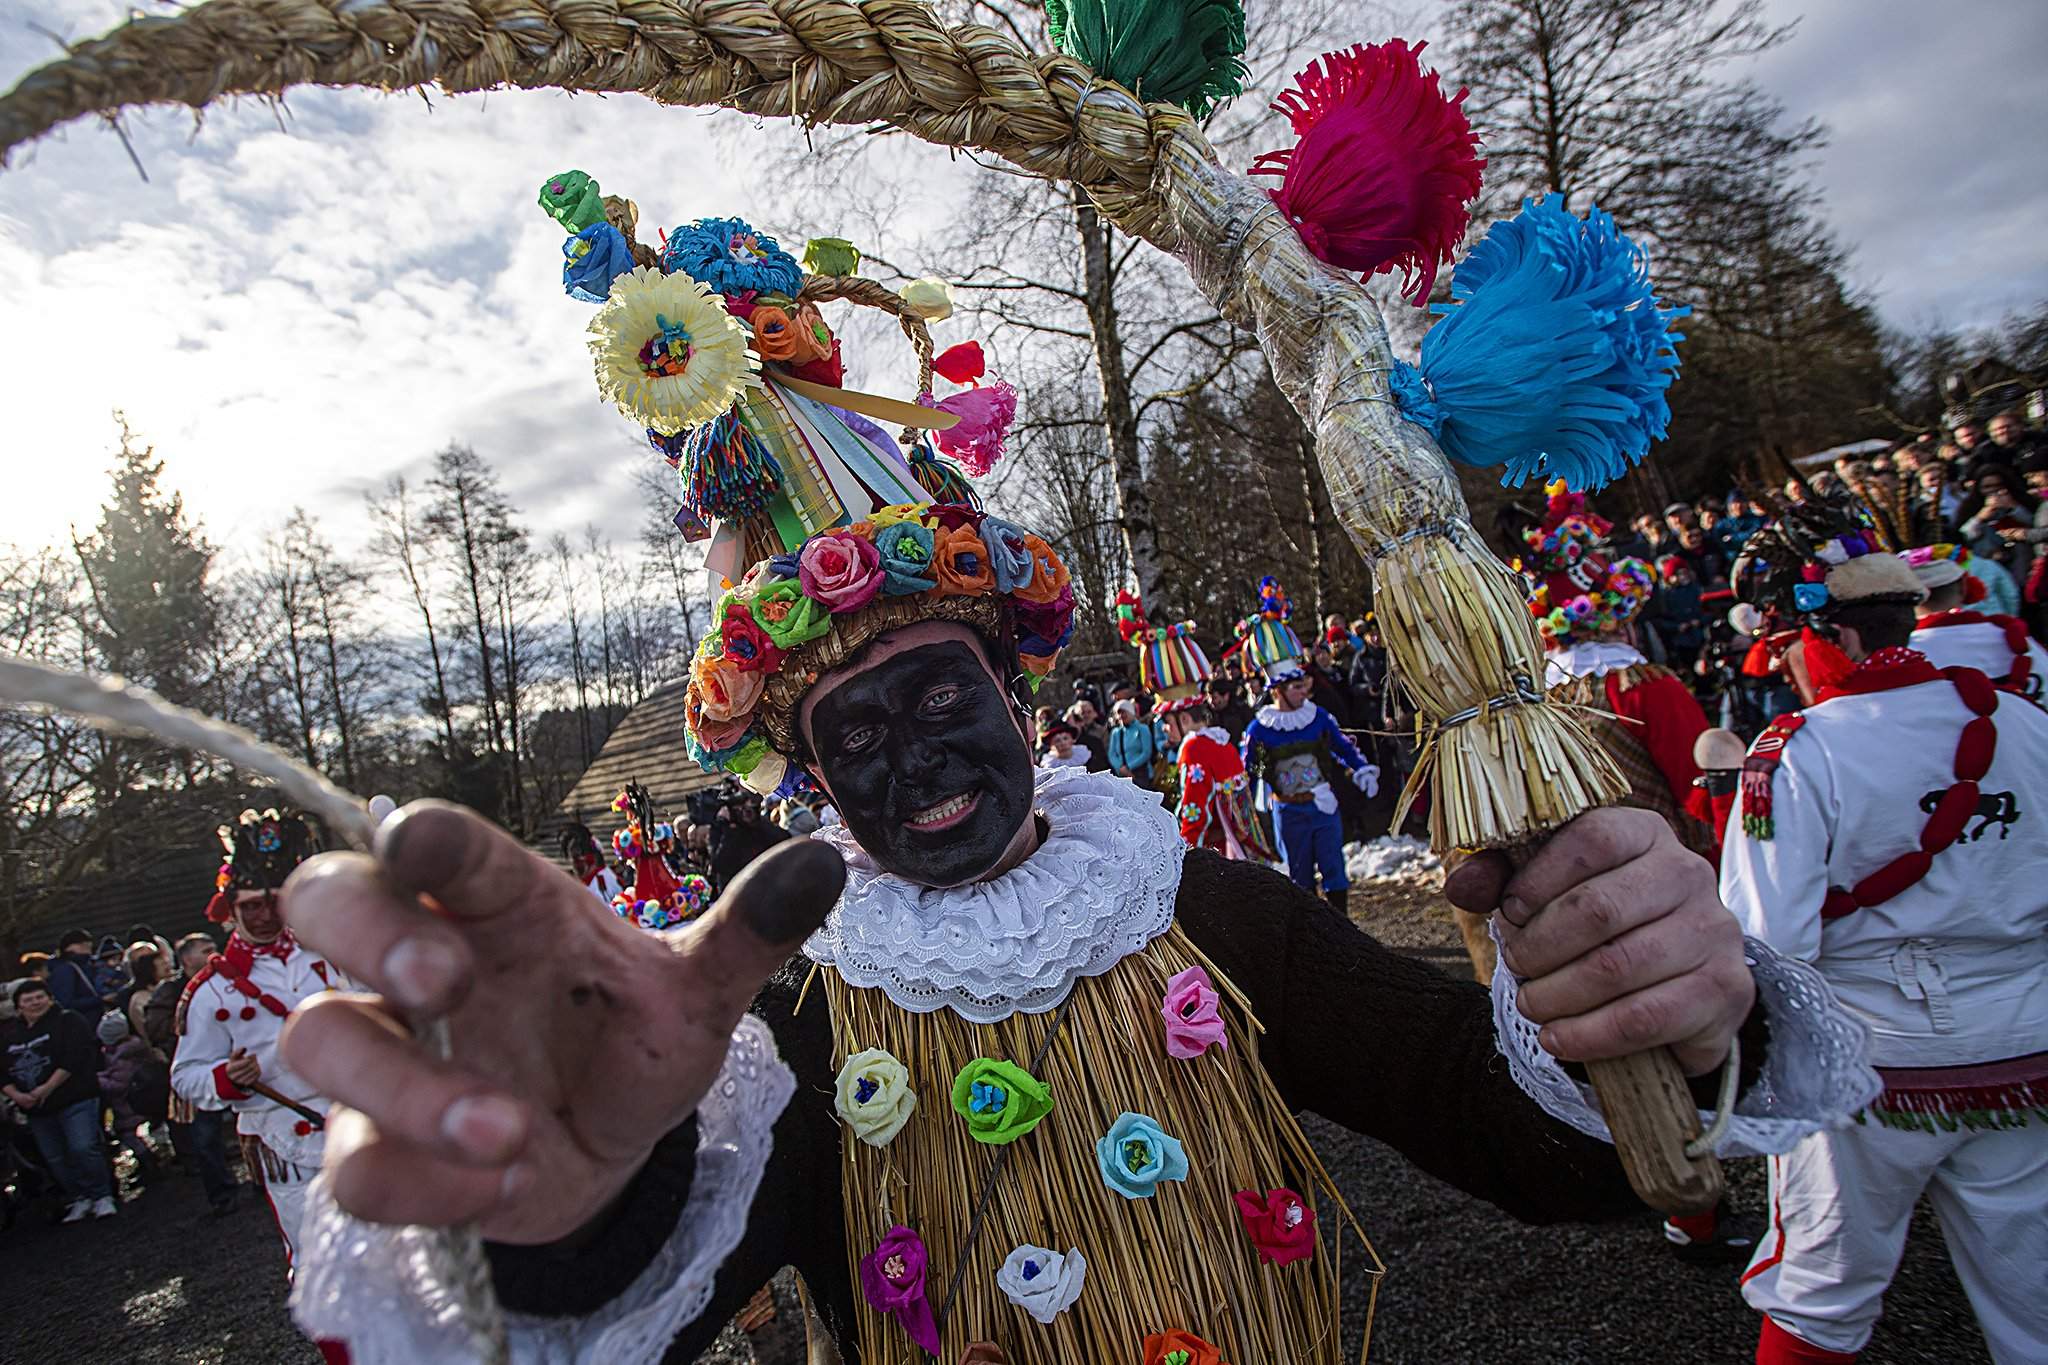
(284, 1186)
(1840, 1205)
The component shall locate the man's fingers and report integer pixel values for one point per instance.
(1475, 885)
(354, 1053)
(344, 906)
(1594, 843)
(753, 927)
(1635, 961)
(384, 1180)
(470, 867)
(1670, 1012)
(1602, 909)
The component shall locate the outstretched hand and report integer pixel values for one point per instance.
(577, 1040)
(1620, 938)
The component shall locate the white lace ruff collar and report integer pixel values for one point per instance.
(1300, 718)
(1099, 888)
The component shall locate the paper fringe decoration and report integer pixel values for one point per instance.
(1184, 52)
(1554, 355)
(646, 305)
(976, 440)
(1383, 166)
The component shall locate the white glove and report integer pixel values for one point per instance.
(1367, 778)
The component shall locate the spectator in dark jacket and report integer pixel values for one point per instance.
(740, 835)
(1680, 616)
(74, 977)
(1227, 707)
(199, 1136)
(52, 1070)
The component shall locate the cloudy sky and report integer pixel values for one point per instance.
(293, 313)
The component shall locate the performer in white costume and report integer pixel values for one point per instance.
(1887, 838)
(1952, 629)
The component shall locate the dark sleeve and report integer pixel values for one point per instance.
(1391, 1047)
(69, 986)
(796, 1218)
(75, 1047)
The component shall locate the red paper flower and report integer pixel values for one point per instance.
(962, 364)
(746, 644)
(1281, 1225)
(1384, 167)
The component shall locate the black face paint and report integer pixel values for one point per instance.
(910, 737)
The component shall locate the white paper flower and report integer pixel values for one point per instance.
(930, 298)
(1043, 1283)
(873, 1096)
(668, 353)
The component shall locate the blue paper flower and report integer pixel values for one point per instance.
(906, 550)
(592, 259)
(1008, 556)
(729, 256)
(1136, 1154)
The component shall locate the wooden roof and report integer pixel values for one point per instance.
(647, 747)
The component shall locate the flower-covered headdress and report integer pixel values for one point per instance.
(1937, 566)
(1272, 643)
(1580, 593)
(802, 613)
(1171, 666)
(1819, 555)
(262, 849)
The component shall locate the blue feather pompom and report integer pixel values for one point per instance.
(1554, 355)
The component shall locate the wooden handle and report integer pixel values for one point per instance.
(1651, 1114)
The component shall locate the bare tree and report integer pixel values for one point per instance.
(401, 540)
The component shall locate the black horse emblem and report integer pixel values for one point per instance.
(1998, 808)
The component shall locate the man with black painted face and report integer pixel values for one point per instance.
(979, 909)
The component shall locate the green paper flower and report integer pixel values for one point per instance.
(1001, 1101)
(789, 617)
(573, 200)
(831, 256)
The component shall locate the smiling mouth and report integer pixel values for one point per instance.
(946, 814)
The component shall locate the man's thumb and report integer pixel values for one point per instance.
(761, 918)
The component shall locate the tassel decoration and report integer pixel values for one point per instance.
(1554, 355)
(963, 364)
(1184, 52)
(725, 470)
(976, 440)
(1383, 166)
(942, 479)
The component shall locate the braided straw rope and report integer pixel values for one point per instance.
(111, 704)
(870, 294)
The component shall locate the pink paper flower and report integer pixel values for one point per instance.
(1193, 1021)
(1280, 1225)
(892, 1280)
(840, 570)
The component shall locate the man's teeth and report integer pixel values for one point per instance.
(945, 810)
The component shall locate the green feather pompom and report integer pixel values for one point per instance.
(1185, 52)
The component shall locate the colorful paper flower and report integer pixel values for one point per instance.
(1280, 1224)
(960, 563)
(813, 337)
(1009, 554)
(962, 364)
(1194, 1023)
(873, 1096)
(1051, 622)
(1000, 1100)
(1042, 1282)
(789, 617)
(985, 414)
(728, 692)
(892, 1281)
(573, 200)
(746, 645)
(930, 298)
(906, 551)
(831, 256)
(775, 333)
(667, 352)
(730, 256)
(1048, 574)
(1136, 1154)
(592, 259)
(840, 570)
(713, 735)
(1179, 1347)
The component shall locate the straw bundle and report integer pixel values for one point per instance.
(1178, 1259)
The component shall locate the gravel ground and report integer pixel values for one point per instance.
(166, 1284)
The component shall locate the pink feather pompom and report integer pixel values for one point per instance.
(1384, 167)
(976, 440)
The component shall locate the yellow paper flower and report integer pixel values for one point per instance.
(929, 298)
(916, 513)
(668, 353)
(873, 1096)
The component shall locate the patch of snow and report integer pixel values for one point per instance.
(1390, 858)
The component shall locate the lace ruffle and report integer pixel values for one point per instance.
(373, 1286)
(1100, 888)
(1300, 718)
(1816, 1075)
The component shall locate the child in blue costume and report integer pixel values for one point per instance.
(1296, 749)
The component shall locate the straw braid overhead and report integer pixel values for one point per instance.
(820, 61)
